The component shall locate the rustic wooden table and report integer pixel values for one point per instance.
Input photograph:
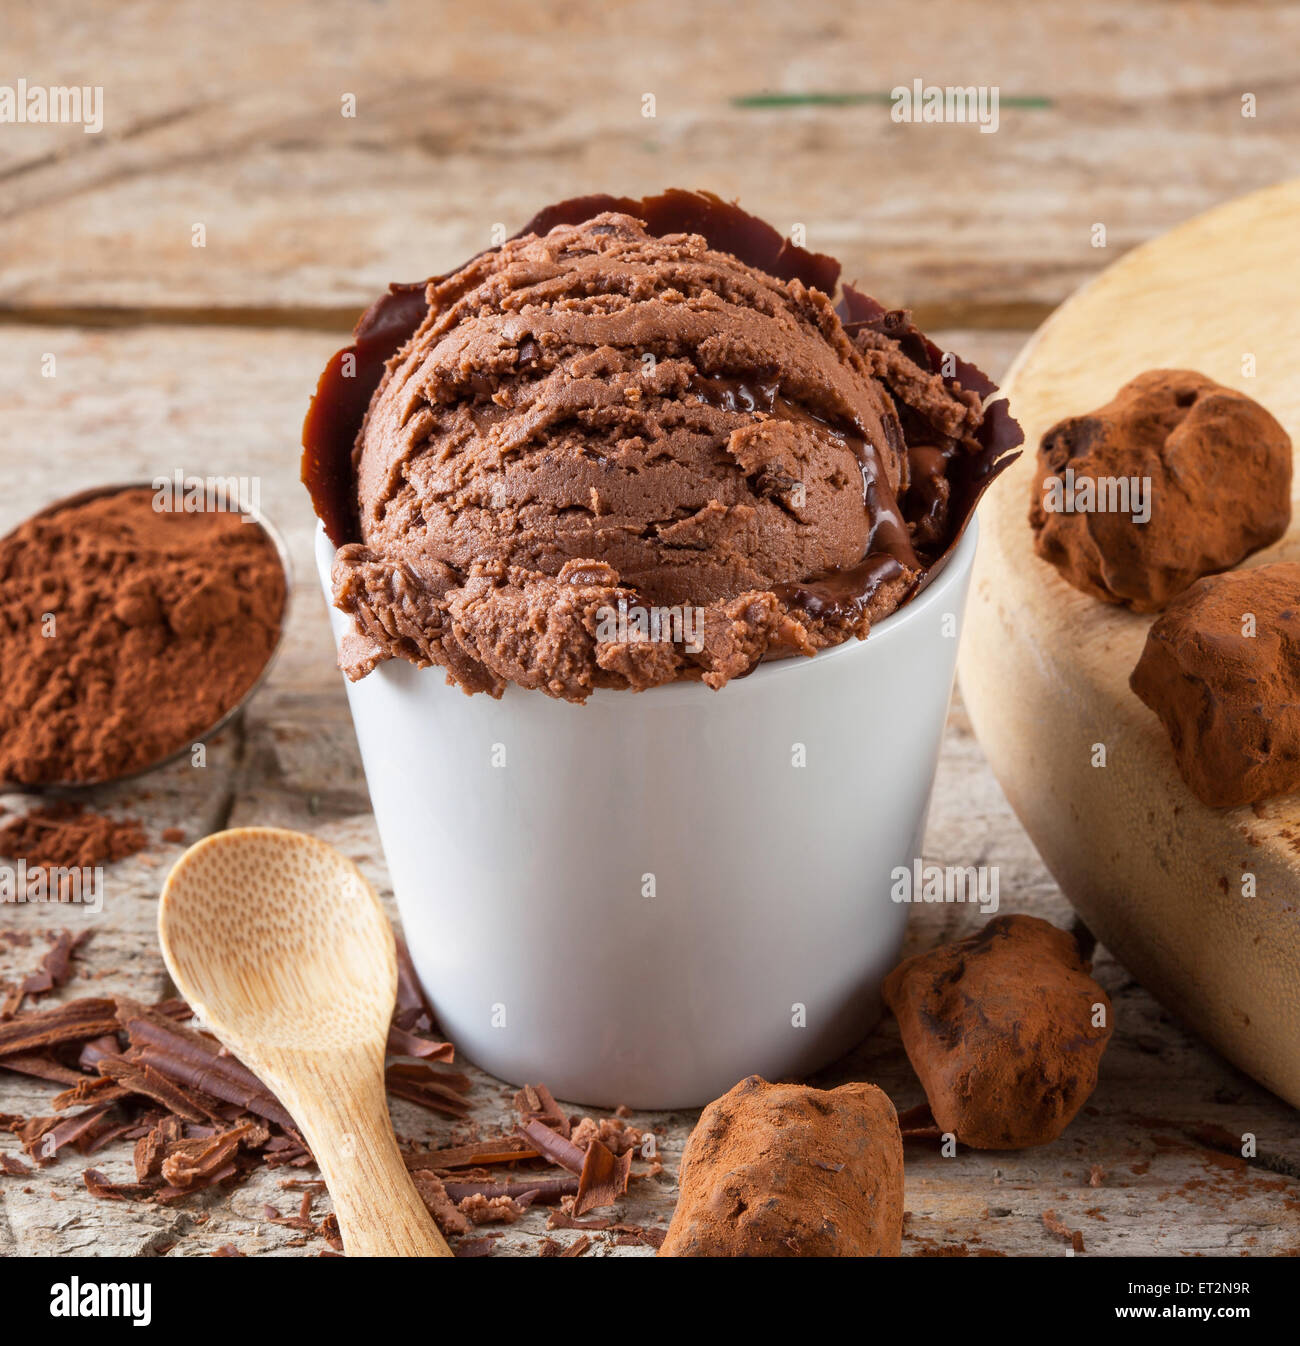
(167, 355)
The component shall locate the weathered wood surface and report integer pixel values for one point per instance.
(169, 356)
(1114, 113)
(127, 404)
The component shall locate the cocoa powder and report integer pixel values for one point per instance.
(126, 632)
(65, 835)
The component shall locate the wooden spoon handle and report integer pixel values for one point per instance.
(340, 1103)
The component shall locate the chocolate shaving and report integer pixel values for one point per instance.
(13, 1167)
(578, 1246)
(98, 1090)
(534, 1102)
(561, 1219)
(105, 1137)
(197, 1062)
(604, 1178)
(418, 1082)
(98, 1185)
(94, 1051)
(143, 1079)
(653, 1238)
(554, 1147)
(413, 1009)
(52, 972)
(190, 1163)
(402, 1042)
(41, 1067)
(504, 1151)
(90, 1018)
(545, 1191)
(495, 1210)
(44, 1137)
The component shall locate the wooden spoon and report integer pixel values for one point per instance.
(282, 949)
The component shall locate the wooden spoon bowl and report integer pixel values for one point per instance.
(283, 950)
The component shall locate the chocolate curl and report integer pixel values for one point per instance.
(94, 1051)
(413, 1007)
(508, 1150)
(150, 1148)
(558, 1149)
(139, 1078)
(44, 1137)
(198, 1162)
(101, 1089)
(603, 1179)
(418, 1082)
(197, 1062)
(534, 1102)
(99, 1186)
(41, 1067)
(90, 1018)
(53, 970)
(402, 1042)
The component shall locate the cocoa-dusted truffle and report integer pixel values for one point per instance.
(1207, 467)
(1221, 667)
(1001, 1028)
(785, 1170)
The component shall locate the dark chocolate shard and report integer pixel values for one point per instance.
(603, 1179)
(77, 1019)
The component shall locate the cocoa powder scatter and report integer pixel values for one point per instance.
(127, 632)
(65, 835)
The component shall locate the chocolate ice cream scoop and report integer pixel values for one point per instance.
(1176, 477)
(1221, 667)
(609, 453)
(1005, 1030)
(785, 1170)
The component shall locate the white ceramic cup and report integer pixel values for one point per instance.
(646, 898)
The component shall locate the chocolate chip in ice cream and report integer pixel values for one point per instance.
(1176, 477)
(1221, 668)
(1005, 1030)
(786, 1170)
(615, 425)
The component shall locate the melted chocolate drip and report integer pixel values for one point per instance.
(343, 395)
(841, 595)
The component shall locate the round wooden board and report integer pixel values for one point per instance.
(1044, 669)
